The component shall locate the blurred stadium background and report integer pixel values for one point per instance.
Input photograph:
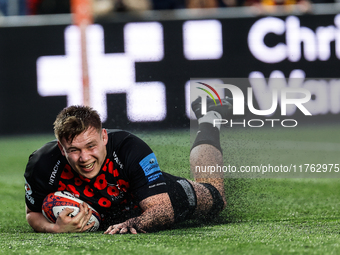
(142, 54)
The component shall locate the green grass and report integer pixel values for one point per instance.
(264, 216)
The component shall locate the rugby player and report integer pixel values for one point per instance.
(118, 175)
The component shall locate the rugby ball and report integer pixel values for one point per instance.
(56, 202)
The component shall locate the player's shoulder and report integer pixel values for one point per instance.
(118, 136)
(45, 159)
(117, 133)
(48, 149)
(123, 143)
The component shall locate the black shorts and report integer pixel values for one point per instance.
(182, 195)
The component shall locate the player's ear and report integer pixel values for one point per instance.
(105, 136)
(61, 148)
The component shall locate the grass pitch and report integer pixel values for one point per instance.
(264, 216)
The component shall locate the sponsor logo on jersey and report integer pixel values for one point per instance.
(54, 172)
(29, 192)
(116, 159)
(150, 167)
(156, 185)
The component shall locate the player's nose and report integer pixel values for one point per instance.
(84, 156)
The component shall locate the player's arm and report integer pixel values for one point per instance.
(158, 212)
(64, 223)
(148, 186)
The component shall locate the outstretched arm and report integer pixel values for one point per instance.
(64, 223)
(158, 212)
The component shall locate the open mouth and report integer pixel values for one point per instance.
(88, 167)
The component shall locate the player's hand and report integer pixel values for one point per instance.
(124, 228)
(68, 224)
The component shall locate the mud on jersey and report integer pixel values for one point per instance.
(130, 173)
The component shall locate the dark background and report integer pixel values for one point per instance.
(24, 111)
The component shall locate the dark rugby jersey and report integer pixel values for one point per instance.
(130, 173)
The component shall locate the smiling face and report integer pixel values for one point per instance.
(86, 152)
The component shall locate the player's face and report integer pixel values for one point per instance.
(87, 152)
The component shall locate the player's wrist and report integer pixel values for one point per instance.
(137, 224)
(52, 228)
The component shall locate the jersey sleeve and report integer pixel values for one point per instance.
(38, 173)
(142, 168)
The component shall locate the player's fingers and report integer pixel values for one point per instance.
(126, 230)
(112, 230)
(80, 220)
(123, 231)
(86, 208)
(65, 212)
(83, 211)
(87, 218)
(108, 230)
(133, 231)
(88, 213)
(87, 227)
(112, 227)
(143, 231)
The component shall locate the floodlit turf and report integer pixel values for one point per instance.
(264, 216)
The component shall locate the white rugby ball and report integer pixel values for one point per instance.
(56, 202)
